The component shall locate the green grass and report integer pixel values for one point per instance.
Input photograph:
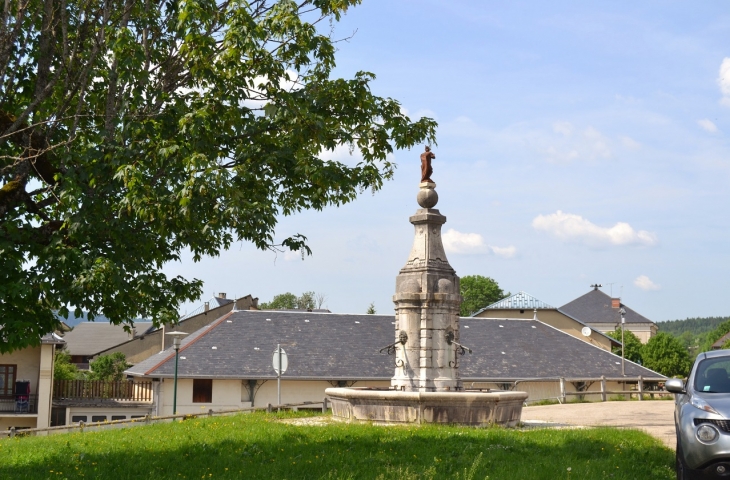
(257, 446)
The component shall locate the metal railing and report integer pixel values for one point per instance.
(556, 388)
(79, 390)
(9, 404)
(149, 419)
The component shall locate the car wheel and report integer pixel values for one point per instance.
(680, 466)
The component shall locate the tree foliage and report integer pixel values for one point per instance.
(695, 325)
(109, 368)
(665, 354)
(478, 292)
(371, 309)
(131, 131)
(632, 345)
(307, 301)
(63, 369)
(715, 335)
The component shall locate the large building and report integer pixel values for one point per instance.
(523, 305)
(228, 364)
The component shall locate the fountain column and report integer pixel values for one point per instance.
(427, 305)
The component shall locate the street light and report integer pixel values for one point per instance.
(622, 312)
(176, 339)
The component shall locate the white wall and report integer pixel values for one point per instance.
(231, 394)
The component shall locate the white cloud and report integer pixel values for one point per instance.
(571, 227)
(644, 283)
(707, 125)
(473, 243)
(724, 81)
(505, 252)
(564, 128)
(290, 256)
(629, 143)
(588, 144)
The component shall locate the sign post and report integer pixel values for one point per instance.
(281, 363)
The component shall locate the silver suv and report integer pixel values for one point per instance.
(702, 418)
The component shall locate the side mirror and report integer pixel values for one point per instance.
(675, 385)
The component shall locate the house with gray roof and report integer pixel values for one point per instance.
(523, 305)
(601, 312)
(87, 339)
(228, 363)
(153, 341)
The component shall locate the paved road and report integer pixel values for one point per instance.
(654, 417)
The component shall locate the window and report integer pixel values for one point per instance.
(7, 379)
(78, 418)
(712, 375)
(119, 417)
(202, 390)
(98, 418)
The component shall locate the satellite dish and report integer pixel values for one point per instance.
(586, 331)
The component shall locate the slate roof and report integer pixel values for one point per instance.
(90, 338)
(331, 346)
(520, 300)
(595, 307)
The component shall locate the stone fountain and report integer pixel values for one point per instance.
(426, 387)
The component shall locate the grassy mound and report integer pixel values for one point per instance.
(262, 446)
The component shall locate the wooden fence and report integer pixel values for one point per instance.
(97, 389)
(149, 419)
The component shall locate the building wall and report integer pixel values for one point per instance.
(644, 331)
(18, 421)
(45, 385)
(28, 361)
(231, 394)
(555, 319)
(108, 412)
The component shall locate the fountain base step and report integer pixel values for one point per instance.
(391, 406)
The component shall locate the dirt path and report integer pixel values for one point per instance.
(654, 417)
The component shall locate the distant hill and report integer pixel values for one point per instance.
(73, 320)
(695, 326)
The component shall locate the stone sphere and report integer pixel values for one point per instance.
(427, 197)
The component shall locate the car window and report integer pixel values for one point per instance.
(712, 375)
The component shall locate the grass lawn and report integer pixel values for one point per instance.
(253, 446)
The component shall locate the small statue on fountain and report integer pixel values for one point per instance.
(426, 169)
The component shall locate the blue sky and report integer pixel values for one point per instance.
(578, 142)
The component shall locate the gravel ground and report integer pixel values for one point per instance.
(654, 417)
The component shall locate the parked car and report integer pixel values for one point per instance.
(702, 418)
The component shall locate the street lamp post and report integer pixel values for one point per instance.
(622, 312)
(176, 340)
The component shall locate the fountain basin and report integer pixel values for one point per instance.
(458, 407)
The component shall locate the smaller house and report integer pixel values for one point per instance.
(524, 305)
(87, 339)
(154, 340)
(721, 341)
(26, 381)
(601, 312)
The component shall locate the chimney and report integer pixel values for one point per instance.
(221, 295)
(207, 306)
(615, 303)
